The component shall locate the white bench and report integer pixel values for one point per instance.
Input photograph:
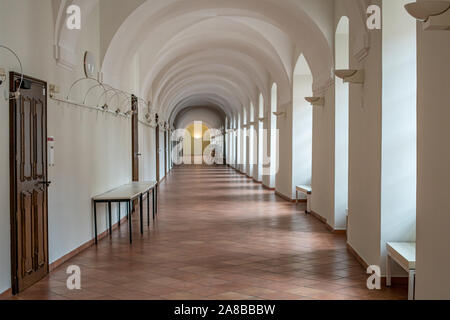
(307, 191)
(404, 253)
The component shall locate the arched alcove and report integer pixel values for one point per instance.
(302, 117)
(260, 139)
(273, 135)
(341, 155)
(251, 141)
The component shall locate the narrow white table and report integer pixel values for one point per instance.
(404, 254)
(128, 193)
(306, 190)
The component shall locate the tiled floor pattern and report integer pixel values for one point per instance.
(218, 236)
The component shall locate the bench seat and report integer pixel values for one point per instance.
(306, 190)
(404, 254)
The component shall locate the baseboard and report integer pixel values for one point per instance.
(84, 246)
(268, 188)
(358, 258)
(282, 196)
(7, 294)
(336, 231)
(319, 217)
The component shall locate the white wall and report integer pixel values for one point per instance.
(433, 206)
(86, 141)
(147, 162)
(162, 157)
(363, 231)
(342, 56)
(301, 133)
(399, 126)
(322, 180)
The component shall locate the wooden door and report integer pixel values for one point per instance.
(157, 148)
(165, 152)
(29, 185)
(135, 137)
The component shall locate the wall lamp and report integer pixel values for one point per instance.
(350, 76)
(2, 76)
(53, 90)
(279, 114)
(316, 101)
(435, 15)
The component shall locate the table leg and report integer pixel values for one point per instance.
(411, 284)
(95, 222)
(156, 199)
(308, 203)
(118, 212)
(130, 222)
(153, 202)
(148, 208)
(110, 219)
(141, 212)
(388, 271)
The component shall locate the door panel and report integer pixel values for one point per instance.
(39, 139)
(157, 148)
(135, 137)
(26, 137)
(29, 214)
(40, 231)
(26, 230)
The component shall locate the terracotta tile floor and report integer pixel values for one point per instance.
(218, 236)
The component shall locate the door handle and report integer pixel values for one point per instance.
(47, 183)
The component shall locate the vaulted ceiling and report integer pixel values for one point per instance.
(221, 53)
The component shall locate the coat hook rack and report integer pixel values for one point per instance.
(16, 94)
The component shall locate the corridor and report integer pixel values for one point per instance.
(218, 235)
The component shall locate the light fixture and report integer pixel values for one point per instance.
(105, 107)
(316, 101)
(262, 119)
(434, 14)
(279, 114)
(2, 76)
(350, 75)
(53, 89)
